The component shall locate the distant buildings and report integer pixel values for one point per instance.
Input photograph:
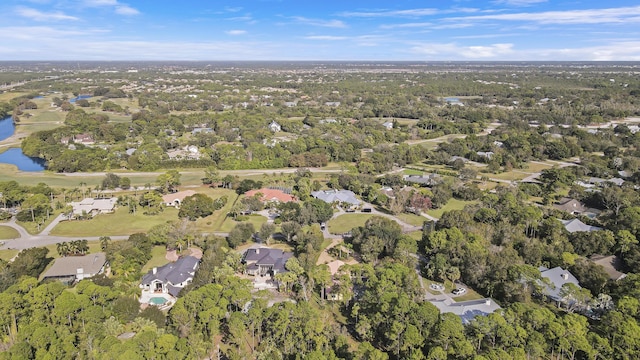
(424, 180)
(467, 310)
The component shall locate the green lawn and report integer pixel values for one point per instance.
(346, 222)
(158, 258)
(7, 255)
(453, 204)
(229, 223)
(7, 232)
(412, 219)
(509, 175)
(118, 223)
(32, 227)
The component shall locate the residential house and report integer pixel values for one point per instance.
(453, 101)
(485, 154)
(75, 268)
(290, 103)
(175, 199)
(93, 207)
(388, 125)
(203, 130)
(170, 278)
(467, 310)
(611, 264)
(575, 207)
(274, 126)
(557, 277)
(424, 180)
(85, 139)
(332, 103)
(576, 225)
(271, 195)
(327, 121)
(337, 196)
(262, 261)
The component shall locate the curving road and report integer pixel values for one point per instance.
(26, 240)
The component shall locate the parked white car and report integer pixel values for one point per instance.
(436, 287)
(459, 291)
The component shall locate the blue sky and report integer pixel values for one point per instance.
(457, 30)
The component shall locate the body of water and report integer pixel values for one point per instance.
(23, 162)
(79, 97)
(7, 128)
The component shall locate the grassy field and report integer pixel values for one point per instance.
(509, 175)
(7, 255)
(346, 222)
(412, 219)
(118, 223)
(158, 258)
(453, 204)
(228, 224)
(8, 233)
(11, 95)
(32, 227)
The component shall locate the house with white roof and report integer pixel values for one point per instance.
(467, 310)
(337, 196)
(575, 225)
(274, 126)
(557, 277)
(93, 206)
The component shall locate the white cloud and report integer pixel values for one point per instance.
(126, 10)
(390, 13)
(118, 7)
(37, 15)
(319, 22)
(589, 16)
(406, 25)
(520, 2)
(325, 37)
(454, 51)
(236, 32)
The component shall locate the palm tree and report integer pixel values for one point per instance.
(62, 248)
(82, 185)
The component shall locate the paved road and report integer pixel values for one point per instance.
(26, 240)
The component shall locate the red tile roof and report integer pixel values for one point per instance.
(271, 195)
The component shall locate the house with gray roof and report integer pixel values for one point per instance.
(170, 278)
(70, 269)
(467, 310)
(424, 180)
(337, 196)
(557, 277)
(265, 261)
(576, 225)
(611, 264)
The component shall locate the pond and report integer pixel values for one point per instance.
(79, 97)
(7, 128)
(24, 163)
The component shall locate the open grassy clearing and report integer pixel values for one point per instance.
(452, 204)
(7, 255)
(11, 95)
(346, 222)
(412, 172)
(158, 258)
(228, 224)
(537, 167)
(32, 227)
(509, 175)
(118, 223)
(412, 219)
(7, 232)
